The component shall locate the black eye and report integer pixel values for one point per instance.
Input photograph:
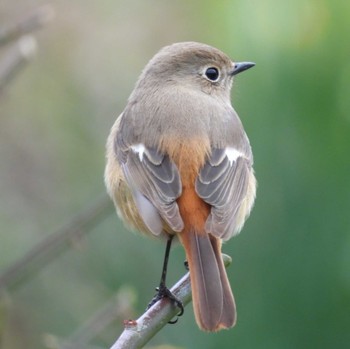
(212, 74)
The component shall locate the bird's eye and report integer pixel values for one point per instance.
(212, 74)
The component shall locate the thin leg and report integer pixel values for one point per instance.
(162, 290)
(166, 260)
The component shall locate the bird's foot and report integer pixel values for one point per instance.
(164, 292)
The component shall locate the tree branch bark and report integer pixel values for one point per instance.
(139, 332)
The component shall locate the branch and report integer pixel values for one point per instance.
(46, 250)
(139, 332)
(16, 57)
(115, 309)
(34, 20)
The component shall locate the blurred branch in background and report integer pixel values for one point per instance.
(34, 20)
(48, 249)
(25, 47)
(15, 58)
(117, 309)
(139, 332)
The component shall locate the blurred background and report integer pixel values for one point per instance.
(70, 272)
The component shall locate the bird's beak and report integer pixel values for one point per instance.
(241, 66)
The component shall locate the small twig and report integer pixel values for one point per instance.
(16, 58)
(29, 23)
(113, 310)
(138, 332)
(116, 308)
(48, 249)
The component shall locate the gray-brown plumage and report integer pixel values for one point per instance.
(179, 162)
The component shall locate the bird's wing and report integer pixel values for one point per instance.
(223, 183)
(155, 184)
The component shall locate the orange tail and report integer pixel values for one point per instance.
(213, 302)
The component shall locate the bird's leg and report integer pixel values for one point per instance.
(162, 290)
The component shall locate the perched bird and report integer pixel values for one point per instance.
(179, 163)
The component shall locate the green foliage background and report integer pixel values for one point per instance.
(291, 265)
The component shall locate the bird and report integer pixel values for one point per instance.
(179, 165)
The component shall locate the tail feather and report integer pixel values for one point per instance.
(229, 315)
(213, 301)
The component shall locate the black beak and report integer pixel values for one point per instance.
(241, 66)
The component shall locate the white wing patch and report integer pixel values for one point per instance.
(138, 149)
(232, 154)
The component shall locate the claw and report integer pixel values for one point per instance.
(164, 292)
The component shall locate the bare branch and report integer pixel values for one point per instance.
(113, 310)
(34, 20)
(138, 332)
(48, 249)
(15, 58)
